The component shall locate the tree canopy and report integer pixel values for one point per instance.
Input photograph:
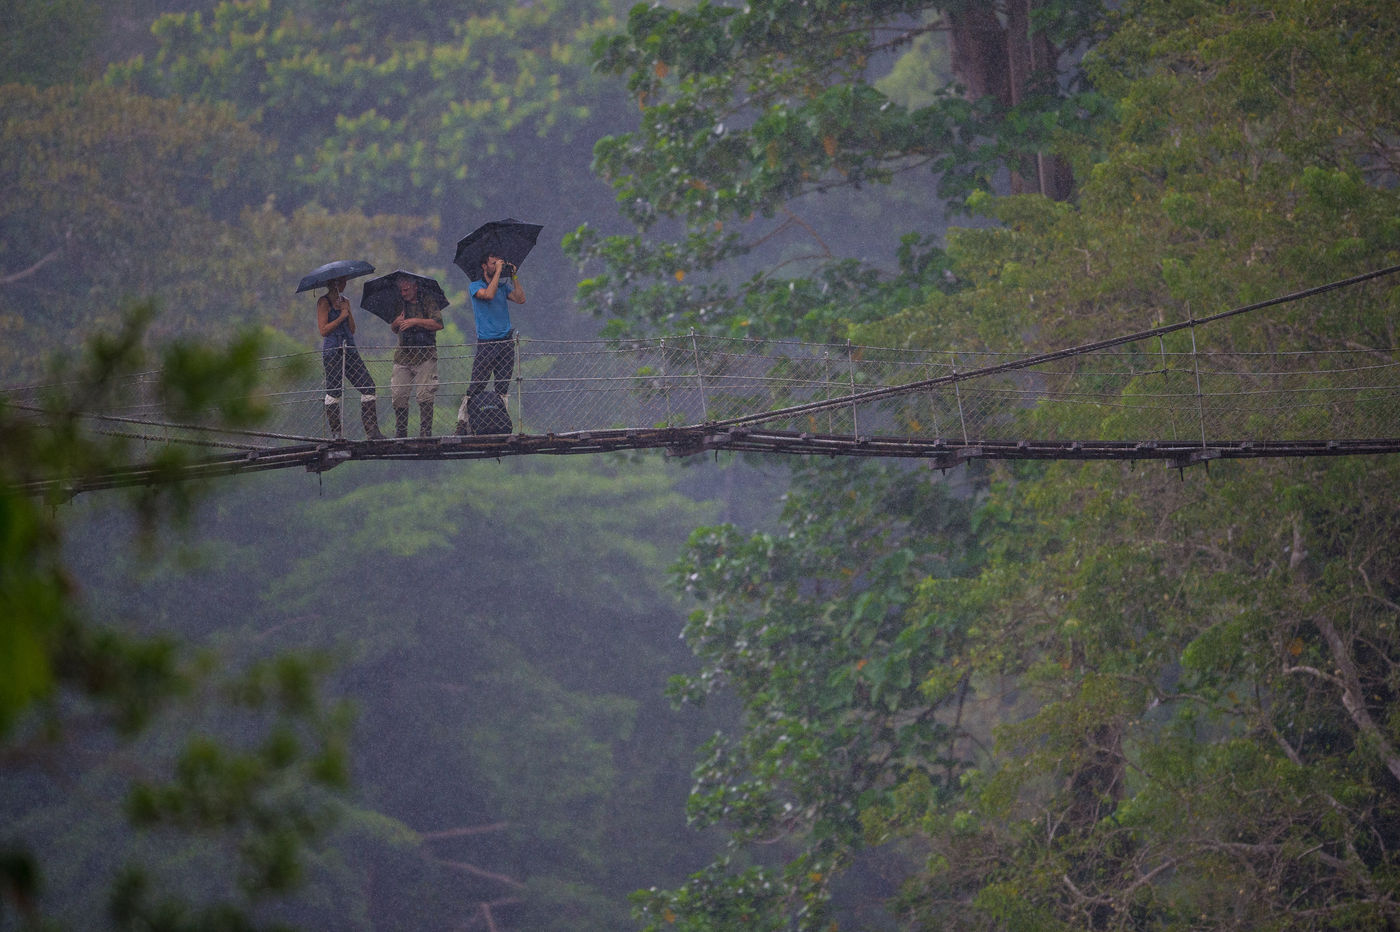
(1036, 696)
(1113, 698)
(250, 789)
(395, 108)
(752, 116)
(178, 746)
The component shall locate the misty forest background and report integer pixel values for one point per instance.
(636, 692)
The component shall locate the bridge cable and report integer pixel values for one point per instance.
(1038, 359)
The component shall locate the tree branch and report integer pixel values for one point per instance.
(1354, 696)
(1314, 671)
(480, 872)
(13, 277)
(465, 830)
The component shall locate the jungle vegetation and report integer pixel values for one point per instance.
(1034, 696)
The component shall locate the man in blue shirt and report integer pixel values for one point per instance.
(495, 339)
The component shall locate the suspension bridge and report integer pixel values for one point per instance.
(1182, 393)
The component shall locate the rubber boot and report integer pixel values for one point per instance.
(425, 419)
(369, 416)
(400, 422)
(333, 420)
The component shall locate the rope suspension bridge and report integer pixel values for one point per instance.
(1181, 393)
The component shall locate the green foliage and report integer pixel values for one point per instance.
(393, 108)
(918, 78)
(825, 306)
(257, 794)
(44, 42)
(45, 640)
(749, 113)
(817, 636)
(1054, 696)
(73, 684)
(718, 898)
(1175, 694)
(33, 594)
(116, 192)
(752, 106)
(495, 630)
(203, 189)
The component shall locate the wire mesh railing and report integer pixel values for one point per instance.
(1185, 382)
(1133, 392)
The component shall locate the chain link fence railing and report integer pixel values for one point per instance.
(1135, 392)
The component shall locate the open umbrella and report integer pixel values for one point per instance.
(510, 239)
(341, 268)
(381, 296)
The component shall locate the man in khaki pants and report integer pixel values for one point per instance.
(415, 359)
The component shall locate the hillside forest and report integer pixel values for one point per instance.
(706, 693)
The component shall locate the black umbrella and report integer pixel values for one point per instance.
(381, 297)
(341, 268)
(510, 239)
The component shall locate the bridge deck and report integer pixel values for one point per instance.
(688, 441)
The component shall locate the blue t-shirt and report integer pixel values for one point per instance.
(492, 317)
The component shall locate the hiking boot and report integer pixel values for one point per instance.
(369, 416)
(333, 420)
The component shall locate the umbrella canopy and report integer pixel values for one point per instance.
(510, 239)
(381, 296)
(341, 268)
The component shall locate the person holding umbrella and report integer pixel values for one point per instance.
(418, 320)
(490, 256)
(494, 286)
(340, 357)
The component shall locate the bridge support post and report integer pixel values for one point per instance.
(957, 393)
(699, 375)
(665, 382)
(1196, 367)
(851, 377)
(519, 384)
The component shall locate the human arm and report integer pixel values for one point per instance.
(488, 292)
(423, 323)
(430, 321)
(517, 290)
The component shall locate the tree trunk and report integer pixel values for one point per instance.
(1005, 60)
(979, 53)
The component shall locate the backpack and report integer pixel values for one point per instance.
(487, 414)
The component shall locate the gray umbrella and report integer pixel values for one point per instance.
(381, 296)
(341, 268)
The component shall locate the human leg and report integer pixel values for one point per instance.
(426, 376)
(333, 364)
(400, 385)
(481, 372)
(369, 417)
(333, 417)
(358, 374)
(503, 366)
(462, 416)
